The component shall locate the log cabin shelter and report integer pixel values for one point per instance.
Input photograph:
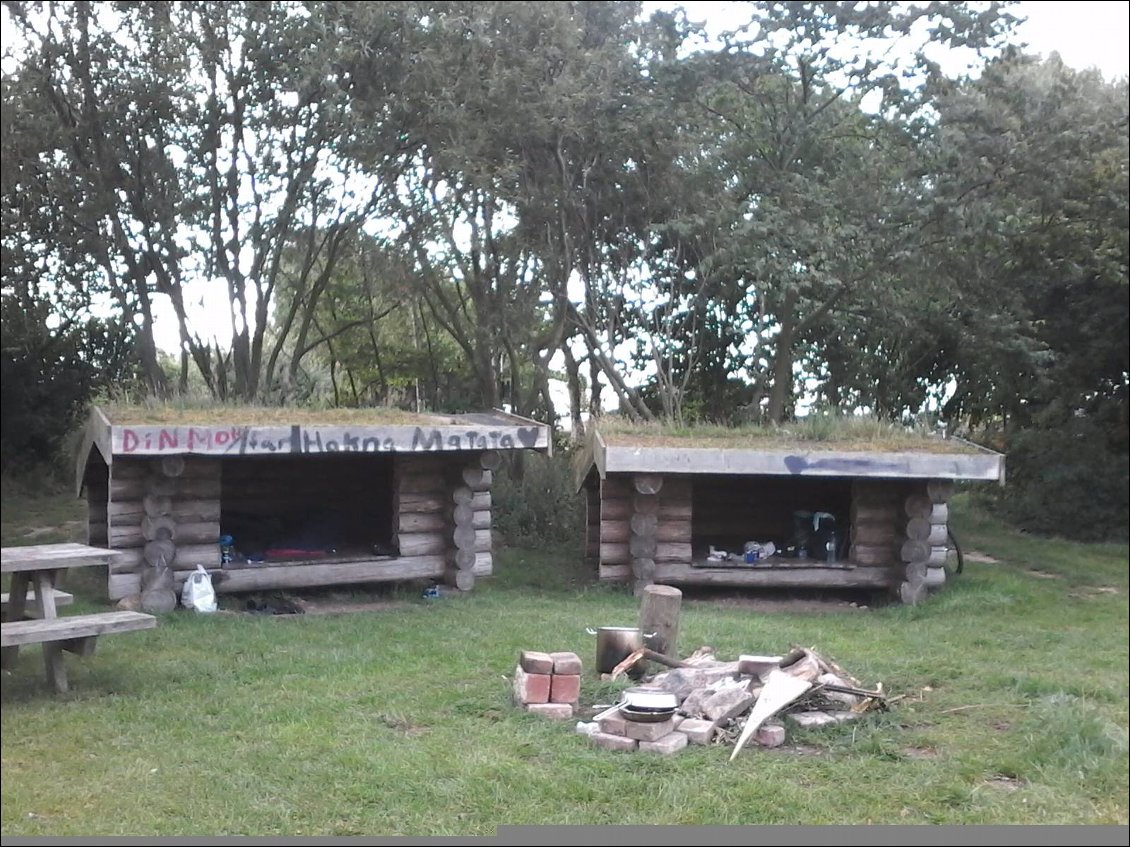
(744, 510)
(274, 498)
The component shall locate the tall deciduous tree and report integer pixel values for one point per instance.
(196, 141)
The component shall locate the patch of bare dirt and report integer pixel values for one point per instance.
(1004, 783)
(785, 603)
(402, 725)
(800, 750)
(1043, 574)
(339, 606)
(1094, 591)
(978, 556)
(920, 752)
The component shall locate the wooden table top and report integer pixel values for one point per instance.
(37, 557)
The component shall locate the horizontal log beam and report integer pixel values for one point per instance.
(431, 483)
(614, 553)
(421, 522)
(422, 543)
(265, 577)
(420, 503)
(880, 555)
(672, 551)
(614, 573)
(614, 510)
(673, 529)
(673, 574)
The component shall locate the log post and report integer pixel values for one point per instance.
(642, 525)
(647, 483)
(470, 539)
(659, 613)
(917, 551)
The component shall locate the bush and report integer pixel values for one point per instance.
(1066, 481)
(535, 501)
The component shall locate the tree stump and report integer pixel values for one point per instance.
(659, 613)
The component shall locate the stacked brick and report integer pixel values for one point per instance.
(548, 684)
(668, 737)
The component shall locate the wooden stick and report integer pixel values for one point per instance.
(848, 689)
(629, 662)
(981, 706)
(650, 655)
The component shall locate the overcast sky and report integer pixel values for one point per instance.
(1083, 32)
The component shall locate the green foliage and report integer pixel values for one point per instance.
(1068, 480)
(48, 375)
(535, 500)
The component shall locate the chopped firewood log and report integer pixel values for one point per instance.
(647, 654)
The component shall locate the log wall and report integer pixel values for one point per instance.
(160, 513)
(648, 526)
(435, 509)
(639, 530)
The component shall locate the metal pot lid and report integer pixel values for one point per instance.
(650, 694)
(645, 715)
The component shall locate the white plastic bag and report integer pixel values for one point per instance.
(197, 592)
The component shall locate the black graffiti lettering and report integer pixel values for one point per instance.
(390, 443)
(422, 440)
(454, 442)
(506, 442)
(331, 445)
(350, 442)
(471, 436)
(311, 444)
(370, 445)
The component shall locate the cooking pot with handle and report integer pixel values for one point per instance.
(614, 644)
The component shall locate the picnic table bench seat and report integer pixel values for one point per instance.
(62, 598)
(76, 631)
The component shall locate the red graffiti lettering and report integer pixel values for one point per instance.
(222, 438)
(167, 440)
(129, 440)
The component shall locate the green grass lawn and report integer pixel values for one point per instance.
(396, 720)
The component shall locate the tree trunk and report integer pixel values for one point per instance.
(573, 376)
(782, 391)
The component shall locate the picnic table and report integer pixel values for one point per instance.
(30, 609)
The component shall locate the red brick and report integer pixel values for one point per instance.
(564, 688)
(568, 663)
(770, 735)
(553, 711)
(613, 742)
(530, 687)
(532, 661)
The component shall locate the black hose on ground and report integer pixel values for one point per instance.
(957, 549)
